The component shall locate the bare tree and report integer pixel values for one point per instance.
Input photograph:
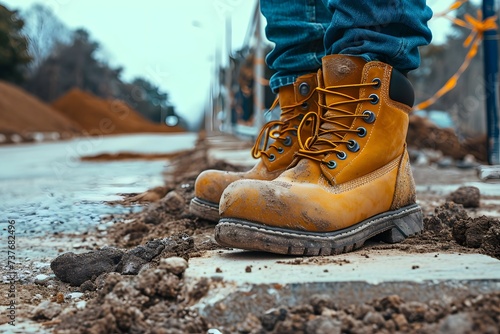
(44, 31)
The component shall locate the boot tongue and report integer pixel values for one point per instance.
(341, 70)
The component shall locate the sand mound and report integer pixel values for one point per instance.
(102, 117)
(23, 114)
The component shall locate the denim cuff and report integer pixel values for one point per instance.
(278, 81)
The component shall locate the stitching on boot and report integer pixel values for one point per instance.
(405, 185)
(365, 179)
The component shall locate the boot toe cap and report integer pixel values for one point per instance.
(210, 184)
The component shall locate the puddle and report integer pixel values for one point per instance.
(46, 188)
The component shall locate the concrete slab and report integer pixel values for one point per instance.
(489, 173)
(243, 267)
(254, 282)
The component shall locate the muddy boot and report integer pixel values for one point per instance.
(295, 102)
(350, 181)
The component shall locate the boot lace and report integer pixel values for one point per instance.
(279, 131)
(327, 133)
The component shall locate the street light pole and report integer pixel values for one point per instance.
(490, 45)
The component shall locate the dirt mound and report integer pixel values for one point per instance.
(23, 114)
(104, 117)
(422, 133)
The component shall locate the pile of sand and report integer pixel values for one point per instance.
(23, 116)
(102, 117)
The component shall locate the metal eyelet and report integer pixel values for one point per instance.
(304, 89)
(294, 132)
(288, 141)
(342, 155)
(353, 146)
(374, 98)
(331, 164)
(369, 116)
(272, 157)
(361, 132)
(305, 106)
(378, 81)
(301, 117)
(280, 150)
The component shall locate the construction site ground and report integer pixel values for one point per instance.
(442, 281)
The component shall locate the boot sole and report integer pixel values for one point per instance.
(204, 209)
(390, 227)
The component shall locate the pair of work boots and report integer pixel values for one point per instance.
(337, 173)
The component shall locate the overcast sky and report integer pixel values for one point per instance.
(171, 43)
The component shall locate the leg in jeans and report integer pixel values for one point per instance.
(386, 30)
(350, 180)
(297, 28)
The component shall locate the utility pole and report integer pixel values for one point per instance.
(490, 45)
(228, 77)
(258, 88)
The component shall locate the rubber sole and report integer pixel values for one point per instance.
(204, 209)
(391, 227)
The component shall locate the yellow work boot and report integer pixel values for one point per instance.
(351, 180)
(295, 102)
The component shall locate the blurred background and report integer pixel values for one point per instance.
(71, 68)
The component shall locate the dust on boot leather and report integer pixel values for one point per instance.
(351, 180)
(295, 101)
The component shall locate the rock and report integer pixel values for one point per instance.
(74, 295)
(459, 323)
(271, 317)
(214, 331)
(81, 304)
(323, 325)
(319, 302)
(42, 279)
(401, 322)
(78, 268)
(414, 311)
(175, 265)
(46, 311)
(469, 197)
(374, 318)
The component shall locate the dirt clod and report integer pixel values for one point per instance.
(469, 197)
(78, 268)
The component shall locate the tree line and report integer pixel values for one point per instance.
(39, 53)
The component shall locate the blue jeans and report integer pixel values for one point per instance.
(304, 31)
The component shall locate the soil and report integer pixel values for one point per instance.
(138, 286)
(423, 134)
(23, 116)
(104, 117)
